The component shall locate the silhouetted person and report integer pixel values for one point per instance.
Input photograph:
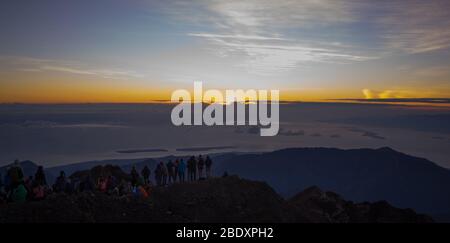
(146, 174)
(60, 184)
(39, 177)
(37, 192)
(189, 168)
(192, 169)
(102, 184)
(200, 166)
(158, 174)
(15, 174)
(164, 173)
(171, 171)
(181, 170)
(208, 164)
(175, 169)
(134, 176)
(86, 185)
(28, 183)
(111, 184)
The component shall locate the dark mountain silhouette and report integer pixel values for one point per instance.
(228, 199)
(357, 174)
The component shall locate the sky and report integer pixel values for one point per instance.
(137, 51)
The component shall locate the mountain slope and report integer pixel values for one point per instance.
(229, 199)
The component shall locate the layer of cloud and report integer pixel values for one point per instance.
(366, 133)
(386, 94)
(30, 64)
(254, 31)
(434, 72)
(270, 55)
(270, 36)
(415, 26)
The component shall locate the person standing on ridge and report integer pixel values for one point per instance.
(175, 169)
(189, 169)
(192, 168)
(208, 163)
(158, 174)
(134, 176)
(181, 170)
(164, 173)
(39, 177)
(171, 171)
(146, 174)
(200, 166)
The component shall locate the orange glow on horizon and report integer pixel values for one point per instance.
(53, 90)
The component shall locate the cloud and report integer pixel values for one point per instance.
(106, 73)
(434, 72)
(65, 69)
(366, 133)
(30, 64)
(415, 26)
(276, 36)
(268, 37)
(51, 124)
(294, 132)
(402, 100)
(368, 94)
(283, 13)
(238, 36)
(386, 94)
(271, 54)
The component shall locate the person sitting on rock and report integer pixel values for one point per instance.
(60, 184)
(38, 191)
(15, 174)
(19, 194)
(111, 184)
(102, 184)
(142, 192)
(28, 183)
(86, 185)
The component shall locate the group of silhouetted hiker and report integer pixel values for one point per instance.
(14, 187)
(175, 171)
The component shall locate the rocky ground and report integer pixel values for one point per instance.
(228, 199)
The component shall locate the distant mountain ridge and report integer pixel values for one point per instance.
(357, 174)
